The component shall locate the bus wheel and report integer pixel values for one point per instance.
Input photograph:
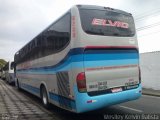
(18, 85)
(44, 98)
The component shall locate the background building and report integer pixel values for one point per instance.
(150, 69)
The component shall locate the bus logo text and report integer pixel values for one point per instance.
(104, 22)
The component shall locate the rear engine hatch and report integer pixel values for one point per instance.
(111, 68)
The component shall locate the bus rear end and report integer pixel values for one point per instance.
(108, 70)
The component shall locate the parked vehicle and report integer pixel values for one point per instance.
(9, 72)
(86, 60)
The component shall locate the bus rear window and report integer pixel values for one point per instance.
(107, 23)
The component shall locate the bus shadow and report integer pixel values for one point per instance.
(66, 115)
(99, 114)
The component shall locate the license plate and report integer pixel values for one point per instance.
(114, 90)
(102, 85)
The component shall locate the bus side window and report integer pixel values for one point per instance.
(59, 33)
(52, 40)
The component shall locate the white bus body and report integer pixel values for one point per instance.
(9, 72)
(86, 60)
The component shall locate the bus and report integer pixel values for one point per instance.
(9, 72)
(85, 60)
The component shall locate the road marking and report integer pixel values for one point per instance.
(129, 108)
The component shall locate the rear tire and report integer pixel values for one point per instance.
(44, 98)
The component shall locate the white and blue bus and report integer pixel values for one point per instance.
(86, 60)
(9, 72)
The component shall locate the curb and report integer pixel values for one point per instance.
(151, 92)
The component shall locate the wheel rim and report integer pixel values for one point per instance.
(44, 97)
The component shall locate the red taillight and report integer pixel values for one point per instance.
(139, 74)
(81, 82)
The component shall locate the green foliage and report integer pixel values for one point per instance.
(2, 62)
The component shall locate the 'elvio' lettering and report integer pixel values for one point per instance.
(104, 22)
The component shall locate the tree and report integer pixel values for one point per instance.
(2, 63)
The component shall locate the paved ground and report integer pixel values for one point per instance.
(20, 105)
(15, 104)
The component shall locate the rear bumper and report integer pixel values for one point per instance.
(101, 101)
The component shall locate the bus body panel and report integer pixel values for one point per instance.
(107, 68)
(117, 69)
(9, 72)
(35, 73)
(86, 103)
(107, 62)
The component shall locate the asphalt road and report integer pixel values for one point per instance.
(22, 105)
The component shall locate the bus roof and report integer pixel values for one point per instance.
(102, 8)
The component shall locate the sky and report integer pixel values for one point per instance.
(22, 20)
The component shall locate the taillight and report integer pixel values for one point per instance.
(81, 82)
(139, 74)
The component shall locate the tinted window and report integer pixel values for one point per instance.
(52, 40)
(105, 22)
(55, 38)
(12, 65)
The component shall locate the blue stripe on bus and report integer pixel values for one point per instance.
(76, 59)
(104, 100)
(116, 56)
(88, 64)
(53, 96)
(112, 51)
(76, 55)
(58, 98)
(30, 88)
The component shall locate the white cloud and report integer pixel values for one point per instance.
(8, 48)
(22, 20)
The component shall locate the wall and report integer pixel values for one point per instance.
(150, 70)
